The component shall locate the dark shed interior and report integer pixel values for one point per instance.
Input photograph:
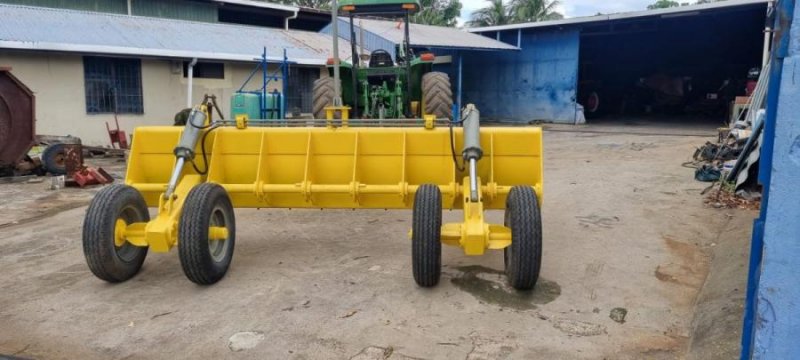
(689, 65)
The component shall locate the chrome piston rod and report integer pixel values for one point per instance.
(473, 180)
(472, 148)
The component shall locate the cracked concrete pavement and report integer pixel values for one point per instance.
(624, 228)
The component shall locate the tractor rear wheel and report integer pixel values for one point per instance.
(204, 260)
(523, 258)
(323, 96)
(437, 95)
(426, 232)
(108, 255)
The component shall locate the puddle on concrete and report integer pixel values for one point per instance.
(491, 286)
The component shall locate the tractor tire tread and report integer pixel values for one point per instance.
(323, 94)
(524, 256)
(426, 236)
(437, 94)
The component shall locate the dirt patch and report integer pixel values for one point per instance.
(717, 324)
(689, 268)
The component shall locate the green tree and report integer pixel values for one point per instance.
(534, 10)
(438, 12)
(663, 4)
(314, 4)
(496, 13)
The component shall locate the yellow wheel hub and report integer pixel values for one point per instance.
(119, 232)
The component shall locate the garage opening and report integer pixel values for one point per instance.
(682, 67)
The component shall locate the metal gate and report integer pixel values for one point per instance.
(299, 93)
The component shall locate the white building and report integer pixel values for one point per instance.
(85, 67)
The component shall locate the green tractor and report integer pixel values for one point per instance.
(382, 87)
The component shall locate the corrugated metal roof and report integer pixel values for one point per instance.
(668, 12)
(35, 28)
(432, 36)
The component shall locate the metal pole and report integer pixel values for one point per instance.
(190, 75)
(361, 37)
(767, 37)
(356, 64)
(264, 80)
(407, 104)
(337, 90)
(285, 84)
(458, 97)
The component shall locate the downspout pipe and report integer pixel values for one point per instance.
(286, 20)
(190, 75)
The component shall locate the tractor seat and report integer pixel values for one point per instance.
(380, 58)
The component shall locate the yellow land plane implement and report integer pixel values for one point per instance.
(338, 166)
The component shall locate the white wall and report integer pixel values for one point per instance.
(58, 83)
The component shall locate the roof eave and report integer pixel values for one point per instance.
(258, 4)
(144, 52)
(470, 48)
(620, 16)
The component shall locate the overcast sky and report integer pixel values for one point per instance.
(571, 8)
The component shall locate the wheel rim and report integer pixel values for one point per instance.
(126, 251)
(218, 248)
(60, 160)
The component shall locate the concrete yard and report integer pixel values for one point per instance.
(626, 236)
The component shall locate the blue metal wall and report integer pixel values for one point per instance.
(772, 311)
(537, 83)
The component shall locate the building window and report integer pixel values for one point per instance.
(205, 70)
(113, 85)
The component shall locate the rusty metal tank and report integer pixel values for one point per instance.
(17, 119)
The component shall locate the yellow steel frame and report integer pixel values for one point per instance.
(335, 167)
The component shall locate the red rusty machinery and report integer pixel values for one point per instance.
(17, 119)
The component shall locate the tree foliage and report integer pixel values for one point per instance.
(314, 4)
(516, 11)
(497, 13)
(535, 10)
(663, 4)
(438, 12)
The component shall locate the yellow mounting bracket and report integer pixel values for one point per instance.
(430, 121)
(330, 115)
(161, 233)
(241, 121)
(474, 235)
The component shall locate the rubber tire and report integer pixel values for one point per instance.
(523, 259)
(50, 159)
(437, 95)
(322, 96)
(102, 256)
(599, 107)
(426, 233)
(193, 248)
